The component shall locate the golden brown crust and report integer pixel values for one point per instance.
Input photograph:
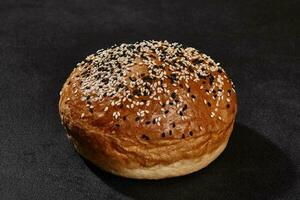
(117, 136)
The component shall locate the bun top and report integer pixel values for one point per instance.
(151, 99)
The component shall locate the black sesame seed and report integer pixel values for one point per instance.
(183, 136)
(173, 125)
(180, 85)
(163, 134)
(219, 70)
(207, 90)
(209, 104)
(191, 133)
(173, 77)
(118, 125)
(137, 118)
(170, 132)
(229, 91)
(105, 80)
(166, 112)
(124, 118)
(214, 91)
(227, 106)
(189, 90)
(173, 95)
(193, 96)
(180, 113)
(153, 121)
(184, 107)
(197, 61)
(211, 79)
(144, 57)
(147, 122)
(137, 92)
(145, 137)
(90, 110)
(171, 103)
(147, 79)
(120, 86)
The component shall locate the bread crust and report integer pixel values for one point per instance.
(116, 138)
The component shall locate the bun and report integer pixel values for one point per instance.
(148, 110)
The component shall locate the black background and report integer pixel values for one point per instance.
(255, 41)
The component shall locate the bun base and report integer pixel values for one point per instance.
(178, 168)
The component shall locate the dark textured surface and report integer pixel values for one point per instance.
(256, 42)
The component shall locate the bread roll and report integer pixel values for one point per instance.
(148, 110)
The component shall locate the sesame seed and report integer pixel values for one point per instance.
(105, 74)
(173, 95)
(145, 137)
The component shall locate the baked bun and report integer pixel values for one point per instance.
(148, 110)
